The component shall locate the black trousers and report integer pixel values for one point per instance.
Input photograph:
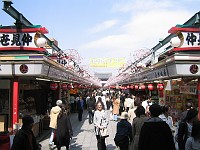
(80, 114)
(101, 145)
(124, 145)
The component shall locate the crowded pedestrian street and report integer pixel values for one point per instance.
(84, 137)
(99, 75)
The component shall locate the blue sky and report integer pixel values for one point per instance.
(105, 28)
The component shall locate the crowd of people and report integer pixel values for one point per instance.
(141, 124)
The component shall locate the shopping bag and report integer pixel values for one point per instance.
(104, 133)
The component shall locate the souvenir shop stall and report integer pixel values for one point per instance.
(31, 79)
(173, 75)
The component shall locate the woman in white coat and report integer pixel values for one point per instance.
(100, 121)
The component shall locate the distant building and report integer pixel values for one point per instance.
(103, 77)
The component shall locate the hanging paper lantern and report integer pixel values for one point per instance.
(143, 87)
(79, 86)
(160, 86)
(53, 86)
(127, 86)
(150, 87)
(136, 87)
(131, 87)
(69, 86)
(75, 86)
(64, 86)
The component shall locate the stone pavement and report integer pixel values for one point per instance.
(84, 137)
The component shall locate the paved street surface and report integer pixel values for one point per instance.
(84, 137)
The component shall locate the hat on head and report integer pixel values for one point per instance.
(27, 120)
(59, 102)
(124, 115)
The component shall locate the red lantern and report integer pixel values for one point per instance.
(53, 86)
(143, 87)
(69, 86)
(127, 86)
(131, 87)
(160, 86)
(64, 86)
(150, 87)
(136, 87)
(75, 86)
(79, 86)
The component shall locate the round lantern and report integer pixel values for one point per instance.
(53, 86)
(127, 86)
(41, 42)
(175, 42)
(131, 87)
(136, 87)
(69, 86)
(75, 86)
(71, 64)
(143, 87)
(150, 87)
(79, 86)
(160, 86)
(64, 86)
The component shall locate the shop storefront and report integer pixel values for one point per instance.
(176, 70)
(31, 81)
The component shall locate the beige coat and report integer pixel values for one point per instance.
(53, 116)
(131, 114)
(116, 105)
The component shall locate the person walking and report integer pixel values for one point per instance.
(108, 101)
(188, 106)
(80, 107)
(123, 135)
(166, 117)
(24, 138)
(53, 120)
(64, 130)
(116, 106)
(122, 100)
(146, 104)
(137, 124)
(185, 128)
(100, 122)
(131, 113)
(128, 101)
(91, 109)
(193, 142)
(72, 101)
(155, 133)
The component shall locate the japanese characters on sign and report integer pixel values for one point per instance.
(191, 39)
(17, 39)
(188, 89)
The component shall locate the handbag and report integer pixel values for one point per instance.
(104, 133)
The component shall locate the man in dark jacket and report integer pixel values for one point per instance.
(155, 133)
(91, 108)
(123, 135)
(80, 107)
(24, 138)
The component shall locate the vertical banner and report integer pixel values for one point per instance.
(15, 100)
